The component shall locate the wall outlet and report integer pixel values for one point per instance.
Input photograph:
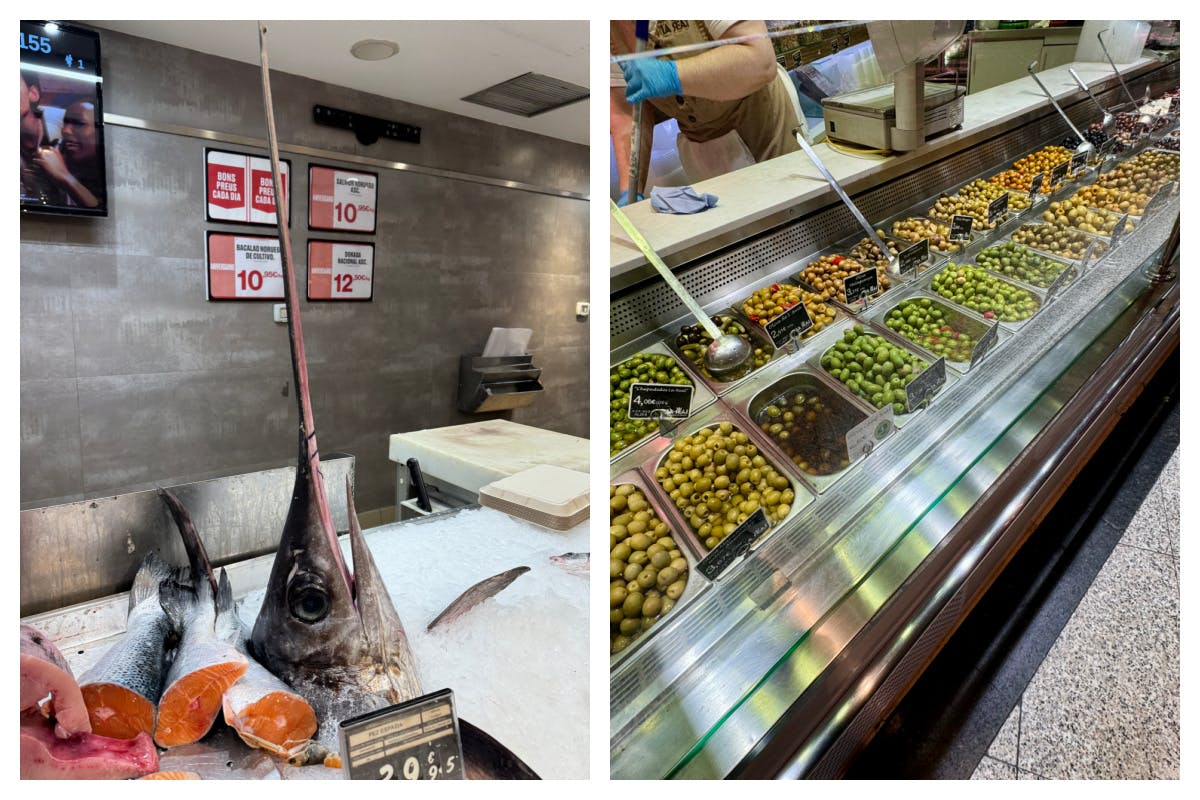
(582, 309)
(279, 312)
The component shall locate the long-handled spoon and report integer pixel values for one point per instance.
(1107, 122)
(1084, 145)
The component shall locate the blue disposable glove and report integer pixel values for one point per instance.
(650, 77)
(623, 200)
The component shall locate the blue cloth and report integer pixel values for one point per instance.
(680, 200)
(650, 77)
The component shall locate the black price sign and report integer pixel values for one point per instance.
(1035, 186)
(997, 209)
(862, 438)
(861, 284)
(912, 257)
(672, 399)
(1066, 276)
(417, 740)
(1160, 197)
(1077, 162)
(985, 343)
(960, 228)
(1118, 230)
(922, 387)
(1059, 172)
(795, 319)
(734, 545)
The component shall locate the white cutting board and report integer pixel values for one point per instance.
(474, 455)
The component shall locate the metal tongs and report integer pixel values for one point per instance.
(837, 188)
(727, 351)
(1084, 145)
(1108, 120)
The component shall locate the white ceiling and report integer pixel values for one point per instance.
(438, 63)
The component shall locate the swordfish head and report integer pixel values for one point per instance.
(334, 637)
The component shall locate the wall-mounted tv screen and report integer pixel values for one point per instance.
(62, 121)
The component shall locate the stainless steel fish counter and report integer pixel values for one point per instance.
(517, 663)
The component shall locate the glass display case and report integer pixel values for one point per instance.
(783, 663)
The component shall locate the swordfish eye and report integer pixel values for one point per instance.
(307, 599)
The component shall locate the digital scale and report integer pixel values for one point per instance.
(867, 117)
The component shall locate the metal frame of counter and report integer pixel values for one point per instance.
(785, 664)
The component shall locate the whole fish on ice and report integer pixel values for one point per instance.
(574, 563)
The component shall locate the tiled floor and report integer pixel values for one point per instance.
(1104, 703)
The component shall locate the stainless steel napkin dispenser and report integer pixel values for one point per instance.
(496, 383)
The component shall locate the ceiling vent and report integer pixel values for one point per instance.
(529, 95)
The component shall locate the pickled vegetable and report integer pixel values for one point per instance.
(1015, 261)
(873, 368)
(693, 342)
(642, 368)
(930, 325)
(978, 290)
(828, 273)
(770, 301)
(647, 570)
(810, 427)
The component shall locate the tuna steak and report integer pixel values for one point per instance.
(47, 685)
(123, 688)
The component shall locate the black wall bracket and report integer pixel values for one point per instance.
(367, 129)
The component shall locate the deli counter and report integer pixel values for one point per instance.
(898, 454)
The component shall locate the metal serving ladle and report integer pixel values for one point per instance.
(1116, 71)
(1108, 120)
(727, 352)
(1084, 145)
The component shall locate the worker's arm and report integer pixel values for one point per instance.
(620, 126)
(731, 71)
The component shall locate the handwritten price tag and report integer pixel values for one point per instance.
(417, 740)
(1059, 172)
(997, 209)
(922, 387)
(244, 267)
(1035, 186)
(734, 545)
(960, 228)
(795, 320)
(340, 270)
(863, 437)
(673, 400)
(911, 258)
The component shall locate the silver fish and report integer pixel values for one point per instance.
(488, 587)
(574, 563)
(123, 688)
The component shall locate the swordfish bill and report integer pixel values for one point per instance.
(337, 644)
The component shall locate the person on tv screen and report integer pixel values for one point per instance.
(73, 165)
(37, 186)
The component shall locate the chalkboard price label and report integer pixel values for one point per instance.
(1059, 172)
(734, 545)
(985, 344)
(960, 228)
(672, 399)
(1118, 231)
(417, 740)
(1077, 162)
(913, 257)
(997, 209)
(1160, 197)
(795, 319)
(861, 284)
(863, 437)
(1066, 276)
(1035, 186)
(922, 387)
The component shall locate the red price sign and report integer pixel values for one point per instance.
(239, 187)
(340, 270)
(341, 200)
(244, 267)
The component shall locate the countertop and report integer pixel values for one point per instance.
(475, 454)
(774, 186)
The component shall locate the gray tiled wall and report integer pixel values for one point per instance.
(129, 377)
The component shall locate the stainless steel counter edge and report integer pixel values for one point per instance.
(772, 202)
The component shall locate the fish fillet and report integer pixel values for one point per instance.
(121, 691)
(171, 775)
(84, 755)
(206, 664)
(45, 673)
(267, 714)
